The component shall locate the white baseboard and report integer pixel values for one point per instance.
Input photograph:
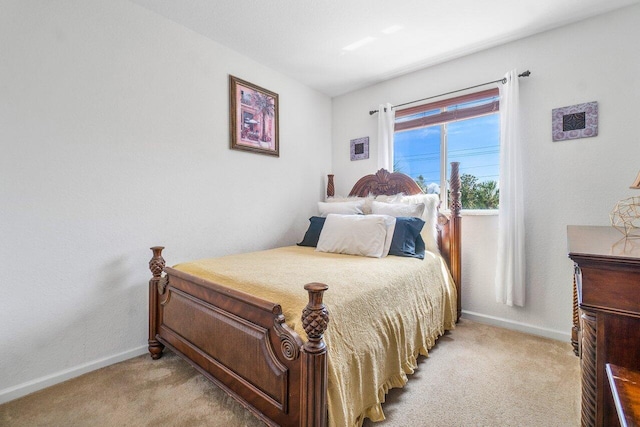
(517, 326)
(23, 389)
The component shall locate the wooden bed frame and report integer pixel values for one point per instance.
(242, 343)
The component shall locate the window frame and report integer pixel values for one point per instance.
(446, 116)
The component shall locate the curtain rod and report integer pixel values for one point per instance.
(502, 80)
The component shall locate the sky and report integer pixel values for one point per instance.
(472, 142)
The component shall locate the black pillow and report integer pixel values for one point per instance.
(407, 240)
(312, 235)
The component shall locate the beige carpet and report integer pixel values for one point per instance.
(477, 375)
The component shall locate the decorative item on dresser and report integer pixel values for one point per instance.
(607, 284)
(625, 216)
(636, 183)
(253, 348)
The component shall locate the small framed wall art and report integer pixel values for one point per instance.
(253, 118)
(575, 121)
(360, 148)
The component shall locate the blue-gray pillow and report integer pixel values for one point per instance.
(313, 232)
(407, 240)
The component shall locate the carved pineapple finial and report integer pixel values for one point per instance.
(157, 263)
(315, 318)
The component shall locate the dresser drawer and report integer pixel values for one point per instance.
(610, 289)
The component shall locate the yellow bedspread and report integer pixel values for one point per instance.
(383, 314)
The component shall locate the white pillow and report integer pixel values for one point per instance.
(429, 232)
(365, 235)
(344, 208)
(366, 207)
(398, 209)
(394, 198)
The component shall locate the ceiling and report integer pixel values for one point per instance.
(306, 39)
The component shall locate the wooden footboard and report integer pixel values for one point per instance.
(242, 344)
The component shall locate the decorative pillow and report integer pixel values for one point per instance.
(366, 207)
(313, 232)
(394, 198)
(398, 209)
(407, 240)
(429, 216)
(344, 208)
(365, 235)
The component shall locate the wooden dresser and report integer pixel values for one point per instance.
(607, 282)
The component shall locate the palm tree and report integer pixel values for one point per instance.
(479, 194)
(488, 193)
(468, 185)
(264, 107)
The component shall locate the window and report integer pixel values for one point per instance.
(464, 129)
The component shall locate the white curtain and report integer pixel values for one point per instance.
(510, 274)
(386, 123)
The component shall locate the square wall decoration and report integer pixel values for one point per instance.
(360, 148)
(575, 121)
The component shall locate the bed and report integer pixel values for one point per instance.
(286, 356)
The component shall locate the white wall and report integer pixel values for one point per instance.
(114, 133)
(571, 182)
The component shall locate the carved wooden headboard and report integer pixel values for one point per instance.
(388, 183)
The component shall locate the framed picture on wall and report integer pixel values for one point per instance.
(253, 118)
(575, 121)
(360, 148)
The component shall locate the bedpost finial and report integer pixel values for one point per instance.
(157, 263)
(315, 318)
(331, 190)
